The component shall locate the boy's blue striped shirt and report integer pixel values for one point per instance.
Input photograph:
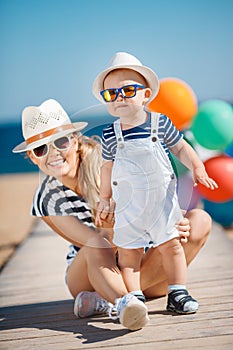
(168, 135)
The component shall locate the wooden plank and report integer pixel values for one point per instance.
(41, 318)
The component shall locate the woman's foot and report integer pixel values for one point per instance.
(88, 304)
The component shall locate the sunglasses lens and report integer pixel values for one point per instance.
(40, 151)
(109, 95)
(129, 91)
(62, 143)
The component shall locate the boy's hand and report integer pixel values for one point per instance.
(184, 229)
(103, 211)
(200, 176)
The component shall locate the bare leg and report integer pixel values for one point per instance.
(174, 262)
(95, 269)
(153, 278)
(130, 262)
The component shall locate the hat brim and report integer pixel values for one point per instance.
(23, 147)
(146, 72)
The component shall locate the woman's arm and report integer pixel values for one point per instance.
(75, 232)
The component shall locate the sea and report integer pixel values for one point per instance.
(11, 135)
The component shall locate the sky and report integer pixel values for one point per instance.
(55, 48)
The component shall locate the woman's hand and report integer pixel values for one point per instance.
(107, 223)
(183, 228)
(105, 213)
(102, 211)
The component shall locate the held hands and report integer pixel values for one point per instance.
(105, 212)
(200, 176)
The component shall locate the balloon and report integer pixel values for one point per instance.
(219, 168)
(177, 100)
(220, 212)
(188, 195)
(229, 150)
(179, 168)
(213, 125)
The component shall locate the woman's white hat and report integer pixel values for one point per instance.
(44, 124)
(125, 60)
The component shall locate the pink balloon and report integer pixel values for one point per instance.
(188, 195)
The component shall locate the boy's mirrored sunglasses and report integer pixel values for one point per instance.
(61, 144)
(127, 91)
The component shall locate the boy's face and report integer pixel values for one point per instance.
(126, 107)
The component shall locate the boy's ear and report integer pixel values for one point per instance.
(147, 94)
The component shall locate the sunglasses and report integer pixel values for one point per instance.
(127, 91)
(61, 144)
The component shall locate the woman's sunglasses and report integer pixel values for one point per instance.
(127, 91)
(61, 144)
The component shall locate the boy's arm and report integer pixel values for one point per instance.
(186, 154)
(103, 206)
(105, 180)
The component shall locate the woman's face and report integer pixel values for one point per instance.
(59, 163)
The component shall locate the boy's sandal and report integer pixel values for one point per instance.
(177, 300)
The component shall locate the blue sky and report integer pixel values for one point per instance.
(55, 48)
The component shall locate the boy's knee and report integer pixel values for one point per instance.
(172, 247)
(129, 257)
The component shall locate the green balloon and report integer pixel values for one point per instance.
(178, 167)
(212, 126)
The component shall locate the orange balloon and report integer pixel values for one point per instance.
(177, 100)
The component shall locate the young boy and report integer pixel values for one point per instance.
(138, 175)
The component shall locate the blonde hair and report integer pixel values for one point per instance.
(89, 169)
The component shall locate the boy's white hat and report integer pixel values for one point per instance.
(125, 60)
(44, 124)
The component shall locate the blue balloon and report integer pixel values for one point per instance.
(221, 213)
(229, 150)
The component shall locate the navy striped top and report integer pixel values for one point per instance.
(168, 135)
(52, 198)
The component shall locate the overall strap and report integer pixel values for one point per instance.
(118, 132)
(154, 124)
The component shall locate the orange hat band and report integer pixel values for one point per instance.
(47, 133)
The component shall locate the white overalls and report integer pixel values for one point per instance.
(144, 188)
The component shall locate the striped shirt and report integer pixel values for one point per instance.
(168, 135)
(52, 198)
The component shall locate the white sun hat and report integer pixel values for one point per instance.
(125, 60)
(44, 124)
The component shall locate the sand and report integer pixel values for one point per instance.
(16, 222)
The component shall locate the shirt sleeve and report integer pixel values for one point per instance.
(48, 201)
(106, 148)
(171, 135)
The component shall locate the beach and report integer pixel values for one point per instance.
(16, 222)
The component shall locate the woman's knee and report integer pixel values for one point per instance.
(201, 223)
